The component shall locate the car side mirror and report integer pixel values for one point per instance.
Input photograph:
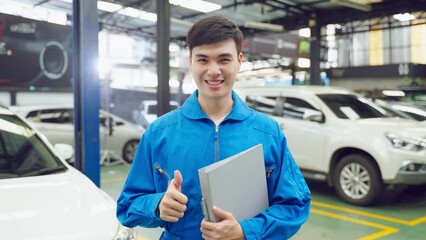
(65, 151)
(314, 116)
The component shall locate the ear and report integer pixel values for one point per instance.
(240, 59)
(190, 59)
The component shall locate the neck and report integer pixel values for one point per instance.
(216, 108)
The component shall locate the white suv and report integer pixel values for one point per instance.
(340, 137)
(43, 197)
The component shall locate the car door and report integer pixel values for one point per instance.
(306, 139)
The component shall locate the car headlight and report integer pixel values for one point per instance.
(124, 233)
(405, 143)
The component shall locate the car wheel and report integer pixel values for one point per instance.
(357, 180)
(129, 150)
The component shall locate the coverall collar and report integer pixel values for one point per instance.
(191, 108)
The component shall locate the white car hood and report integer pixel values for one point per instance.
(55, 207)
(400, 126)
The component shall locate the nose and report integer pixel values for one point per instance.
(214, 69)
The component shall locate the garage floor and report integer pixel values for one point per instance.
(400, 215)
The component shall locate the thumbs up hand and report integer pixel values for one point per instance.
(173, 204)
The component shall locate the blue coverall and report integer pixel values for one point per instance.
(186, 139)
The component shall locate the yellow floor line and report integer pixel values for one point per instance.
(385, 229)
(371, 215)
(110, 180)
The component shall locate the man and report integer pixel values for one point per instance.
(213, 124)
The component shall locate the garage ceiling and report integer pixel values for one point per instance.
(290, 14)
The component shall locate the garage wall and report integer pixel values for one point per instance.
(35, 98)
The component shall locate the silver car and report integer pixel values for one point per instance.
(118, 138)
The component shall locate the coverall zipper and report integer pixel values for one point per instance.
(216, 137)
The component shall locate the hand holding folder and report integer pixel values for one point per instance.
(236, 184)
(227, 228)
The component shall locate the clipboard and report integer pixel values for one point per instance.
(236, 184)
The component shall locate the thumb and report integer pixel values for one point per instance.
(221, 213)
(178, 179)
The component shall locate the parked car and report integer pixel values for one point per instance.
(340, 137)
(42, 197)
(118, 136)
(403, 109)
(147, 112)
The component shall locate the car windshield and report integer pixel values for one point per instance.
(22, 152)
(347, 106)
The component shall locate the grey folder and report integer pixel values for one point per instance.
(236, 184)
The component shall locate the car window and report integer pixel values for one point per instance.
(351, 106)
(52, 116)
(415, 114)
(261, 103)
(287, 107)
(22, 152)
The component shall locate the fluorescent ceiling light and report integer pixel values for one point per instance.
(404, 17)
(353, 4)
(33, 12)
(197, 5)
(264, 26)
(108, 7)
(136, 13)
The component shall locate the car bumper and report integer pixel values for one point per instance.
(411, 173)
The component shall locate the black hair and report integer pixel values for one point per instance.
(212, 30)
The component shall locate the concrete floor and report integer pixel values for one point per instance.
(400, 215)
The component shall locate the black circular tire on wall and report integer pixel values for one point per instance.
(129, 150)
(357, 180)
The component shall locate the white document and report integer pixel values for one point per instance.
(236, 184)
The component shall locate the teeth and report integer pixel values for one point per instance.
(214, 82)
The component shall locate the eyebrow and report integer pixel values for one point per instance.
(199, 55)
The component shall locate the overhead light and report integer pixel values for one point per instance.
(33, 12)
(404, 17)
(136, 13)
(353, 4)
(264, 26)
(197, 5)
(108, 7)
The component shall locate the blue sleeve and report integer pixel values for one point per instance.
(289, 206)
(138, 201)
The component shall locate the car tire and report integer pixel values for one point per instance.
(357, 180)
(129, 150)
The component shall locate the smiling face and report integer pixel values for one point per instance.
(214, 68)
